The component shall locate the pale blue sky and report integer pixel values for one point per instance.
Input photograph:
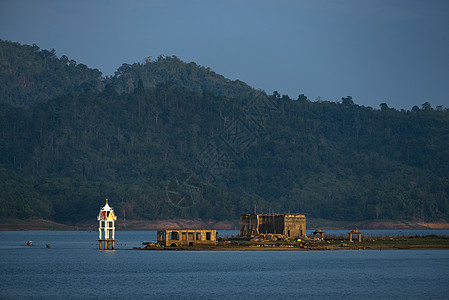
(394, 51)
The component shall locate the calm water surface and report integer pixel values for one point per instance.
(74, 268)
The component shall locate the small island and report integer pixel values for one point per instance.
(284, 232)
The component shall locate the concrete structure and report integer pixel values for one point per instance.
(359, 235)
(186, 237)
(106, 228)
(318, 233)
(289, 225)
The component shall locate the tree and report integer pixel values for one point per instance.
(426, 106)
(139, 89)
(347, 101)
(302, 97)
(383, 106)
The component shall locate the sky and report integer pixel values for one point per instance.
(392, 51)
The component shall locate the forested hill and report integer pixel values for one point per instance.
(30, 75)
(178, 73)
(168, 151)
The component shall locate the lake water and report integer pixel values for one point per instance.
(74, 268)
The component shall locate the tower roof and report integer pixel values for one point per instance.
(106, 207)
(106, 213)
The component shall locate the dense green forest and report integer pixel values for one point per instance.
(178, 73)
(169, 139)
(29, 75)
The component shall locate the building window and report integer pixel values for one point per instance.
(174, 235)
(208, 236)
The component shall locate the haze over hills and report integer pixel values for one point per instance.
(169, 139)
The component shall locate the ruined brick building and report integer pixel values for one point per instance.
(289, 225)
(186, 237)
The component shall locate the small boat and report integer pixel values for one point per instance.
(30, 243)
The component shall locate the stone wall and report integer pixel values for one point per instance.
(289, 225)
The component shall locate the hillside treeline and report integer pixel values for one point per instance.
(159, 149)
(30, 75)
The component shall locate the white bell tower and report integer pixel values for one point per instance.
(106, 227)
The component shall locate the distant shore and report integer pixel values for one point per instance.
(40, 224)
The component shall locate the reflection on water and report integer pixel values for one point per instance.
(74, 268)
